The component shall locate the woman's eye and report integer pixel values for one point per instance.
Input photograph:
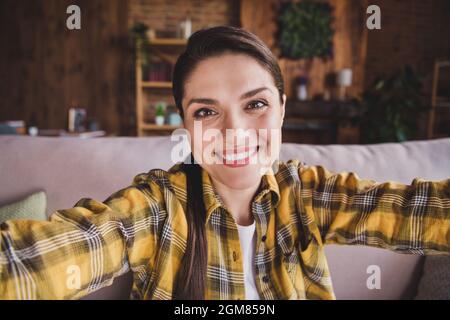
(203, 113)
(255, 105)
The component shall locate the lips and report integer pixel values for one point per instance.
(237, 157)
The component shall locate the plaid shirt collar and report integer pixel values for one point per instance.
(268, 190)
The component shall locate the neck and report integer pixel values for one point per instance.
(237, 201)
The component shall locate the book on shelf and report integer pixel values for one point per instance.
(64, 133)
(160, 72)
(13, 126)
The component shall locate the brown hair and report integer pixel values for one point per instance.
(201, 45)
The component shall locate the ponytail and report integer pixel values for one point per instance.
(190, 283)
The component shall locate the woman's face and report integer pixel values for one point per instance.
(233, 113)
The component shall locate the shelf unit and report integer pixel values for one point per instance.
(157, 84)
(156, 127)
(168, 42)
(321, 122)
(436, 104)
(157, 47)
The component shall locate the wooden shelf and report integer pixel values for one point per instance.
(321, 122)
(155, 127)
(167, 42)
(165, 49)
(437, 103)
(64, 133)
(157, 84)
(443, 105)
(440, 135)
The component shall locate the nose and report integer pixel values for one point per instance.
(236, 128)
(234, 120)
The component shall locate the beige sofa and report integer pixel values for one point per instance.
(70, 168)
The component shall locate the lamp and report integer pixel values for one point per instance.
(344, 80)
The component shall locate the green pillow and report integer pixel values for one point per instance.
(32, 207)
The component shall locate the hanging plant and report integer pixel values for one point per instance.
(139, 34)
(305, 30)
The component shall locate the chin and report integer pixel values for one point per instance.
(243, 177)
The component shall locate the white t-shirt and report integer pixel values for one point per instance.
(247, 239)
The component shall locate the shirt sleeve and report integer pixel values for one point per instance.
(345, 209)
(79, 250)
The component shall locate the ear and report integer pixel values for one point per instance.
(283, 109)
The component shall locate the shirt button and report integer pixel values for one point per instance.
(234, 256)
(265, 278)
(263, 238)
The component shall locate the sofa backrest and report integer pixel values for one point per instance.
(69, 169)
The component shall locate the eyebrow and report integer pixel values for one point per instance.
(246, 95)
(253, 92)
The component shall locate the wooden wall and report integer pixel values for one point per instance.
(45, 68)
(350, 43)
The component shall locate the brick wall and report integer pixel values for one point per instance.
(166, 15)
(412, 32)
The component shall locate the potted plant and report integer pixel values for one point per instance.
(391, 108)
(160, 113)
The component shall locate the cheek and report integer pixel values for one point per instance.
(202, 138)
(276, 121)
(270, 141)
(270, 119)
(271, 124)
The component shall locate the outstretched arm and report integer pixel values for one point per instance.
(80, 249)
(345, 209)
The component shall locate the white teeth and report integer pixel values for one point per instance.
(238, 156)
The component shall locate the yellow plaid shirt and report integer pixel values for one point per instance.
(143, 227)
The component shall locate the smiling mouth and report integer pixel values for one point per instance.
(238, 157)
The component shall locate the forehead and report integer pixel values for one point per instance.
(227, 76)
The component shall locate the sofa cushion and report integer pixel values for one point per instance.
(435, 281)
(31, 207)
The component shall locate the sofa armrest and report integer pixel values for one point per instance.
(119, 290)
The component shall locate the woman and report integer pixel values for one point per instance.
(231, 225)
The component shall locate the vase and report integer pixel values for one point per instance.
(174, 119)
(159, 120)
(302, 93)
